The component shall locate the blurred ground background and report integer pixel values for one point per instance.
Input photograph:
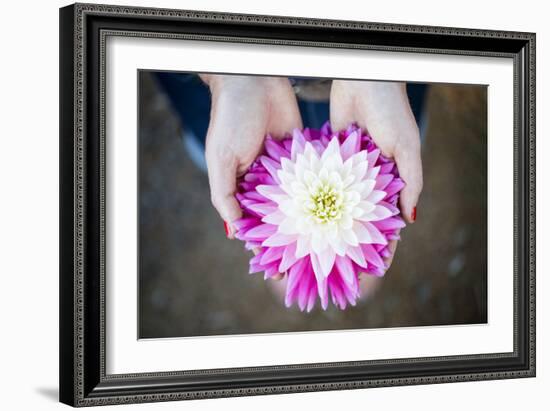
(193, 281)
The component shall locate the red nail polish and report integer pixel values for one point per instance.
(413, 214)
(226, 227)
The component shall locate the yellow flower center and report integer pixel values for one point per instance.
(327, 204)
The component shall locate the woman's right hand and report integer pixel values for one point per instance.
(244, 110)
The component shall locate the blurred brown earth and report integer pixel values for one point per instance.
(193, 281)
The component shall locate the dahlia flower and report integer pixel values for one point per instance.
(320, 208)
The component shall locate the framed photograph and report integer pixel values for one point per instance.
(262, 204)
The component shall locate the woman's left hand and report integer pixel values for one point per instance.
(383, 109)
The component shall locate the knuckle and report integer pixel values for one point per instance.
(215, 199)
(219, 154)
(223, 154)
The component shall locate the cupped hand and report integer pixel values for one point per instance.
(244, 110)
(383, 109)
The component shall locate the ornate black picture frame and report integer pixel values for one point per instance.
(83, 30)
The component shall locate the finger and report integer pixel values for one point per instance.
(222, 176)
(341, 107)
(409, 164)
(392, 246)
(369, 285)
(285, 113)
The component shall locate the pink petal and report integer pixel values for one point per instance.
(371, 255)
(337, 295)
(275, 150)
(382, 181)
(356, 254)
(289, 257)
(304, 291)
(311, 302)
(377, 237)
(261, 232)
(326, 129)
(379, 213)
(272, 167)
(295, 274)
(278, 239)
(298, 143)
(360, 170)
(372, 157)
(321, 281)
(262, 209)
(317, 270)
(351, 145)
(394, 223)
(287, 144)
(346, 269)
(271, 192)
(303, 246)
(394, 210)
(373, 172)
(260, 178)
(243, 223)
(276, 218)
(270, 271)
(255, 266)
(318, 147)
(386, 168)
(326, 261)
(363, 235)
(349, 237)
(322, 291)
(394, 187)
(272, 254)
(247, 186)
(376, 196)
(253, 195)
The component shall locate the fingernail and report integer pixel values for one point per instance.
(413, 214)
(226, 228)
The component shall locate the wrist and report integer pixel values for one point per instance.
(371, 87)
(219, 83)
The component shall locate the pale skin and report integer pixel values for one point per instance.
(246, 109)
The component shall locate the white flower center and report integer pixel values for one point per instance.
(326, 204)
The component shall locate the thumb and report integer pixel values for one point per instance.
(341, 107)
(284, 113)
(409, 164)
